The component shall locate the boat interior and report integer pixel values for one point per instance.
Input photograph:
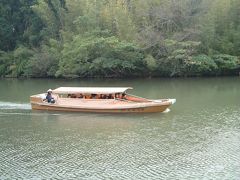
(118, 98)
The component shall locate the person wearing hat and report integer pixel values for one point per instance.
(49, 97)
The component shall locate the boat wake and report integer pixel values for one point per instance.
(167, 110)
(11, 105)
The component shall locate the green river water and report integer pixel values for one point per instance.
(199, 138)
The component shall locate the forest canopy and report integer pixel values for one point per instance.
(119, 38)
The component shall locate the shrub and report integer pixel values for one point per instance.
(100, 57)
(201, 65)
(6, 59)
(226, 64)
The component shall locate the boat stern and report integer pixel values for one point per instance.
(36, 99)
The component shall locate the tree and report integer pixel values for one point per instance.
(16, 18)
(101, 57)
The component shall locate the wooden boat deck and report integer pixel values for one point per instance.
(97, 103)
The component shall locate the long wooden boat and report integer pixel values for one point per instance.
(98, 99)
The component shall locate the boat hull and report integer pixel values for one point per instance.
(150, 109)
(99, 105)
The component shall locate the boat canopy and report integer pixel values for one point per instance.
(90, 90)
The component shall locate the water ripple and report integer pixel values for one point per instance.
(202, 145)
(11, 105)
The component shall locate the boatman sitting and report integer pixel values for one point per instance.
(49, 97)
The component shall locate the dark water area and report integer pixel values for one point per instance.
(199, 138)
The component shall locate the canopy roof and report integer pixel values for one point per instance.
(90, 90)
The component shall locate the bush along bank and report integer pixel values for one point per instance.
(155, 38)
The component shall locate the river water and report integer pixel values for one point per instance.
(199, 138)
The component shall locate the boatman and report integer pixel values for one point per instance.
(49, 97)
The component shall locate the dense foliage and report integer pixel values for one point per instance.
(120, 38)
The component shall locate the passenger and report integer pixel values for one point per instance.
(80, 96)
(49, 97)
(97, 96)
(109, 96)
(104, 96)
(93, 96)
(120, 96)
(73, 96)
(117, 95)
(88, 97)
(124, 96)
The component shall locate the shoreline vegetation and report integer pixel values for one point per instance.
(119, 39)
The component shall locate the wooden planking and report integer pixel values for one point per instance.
(126, 110)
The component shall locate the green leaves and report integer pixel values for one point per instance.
(101, 57)
(151, 63)
(226, 64)
(102, 38)
(201, 65)
(6, 59)
(19, 25)
(220, 28)
(44, 63)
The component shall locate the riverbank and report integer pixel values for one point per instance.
(119, 39)
(234, 73)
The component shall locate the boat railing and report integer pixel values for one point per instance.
(145, 99)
